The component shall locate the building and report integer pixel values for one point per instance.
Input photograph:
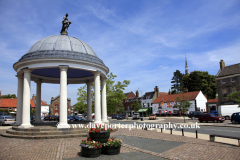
(212, 105)
(55, 106)
(11, 104)
(127, 103)
(228, 80)
(147, 100)
(164, 104)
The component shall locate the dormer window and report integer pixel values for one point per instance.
(233, 79)
(223, 80)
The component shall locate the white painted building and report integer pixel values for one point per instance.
(167, 103)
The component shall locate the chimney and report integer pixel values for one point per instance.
(156, 90)
(34, 97)
(222, 64)
(169, 93)
(0, 94)
(137, 94)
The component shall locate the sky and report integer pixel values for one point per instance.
(138, 40)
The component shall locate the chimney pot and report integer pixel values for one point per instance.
(222, 64)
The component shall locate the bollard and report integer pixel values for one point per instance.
(161, 130)
(171, 130)
(196, 134)
(182, 133)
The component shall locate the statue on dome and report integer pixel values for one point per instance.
(65, 24)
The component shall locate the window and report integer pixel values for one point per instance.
(223, 80)
(224, 92)
(56, 107)
(56, 114)
(234, 79)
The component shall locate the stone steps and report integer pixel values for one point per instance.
(44, 136)
(49, 132)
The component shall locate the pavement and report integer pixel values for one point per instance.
(137, 144)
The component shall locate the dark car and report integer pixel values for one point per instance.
(114, 116)
(70, 118)
(77, 118)
(211, 117)
(50, 118)
(194, 114)
(235, 118)
(121, 116)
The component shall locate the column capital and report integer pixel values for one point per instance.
(63, 67)
(20, 76)
(103, 78)
(96, 72)
(26, 70)
(38, 81)
(89, 83)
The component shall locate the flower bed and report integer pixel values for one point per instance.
(112, 147)
(90, 148)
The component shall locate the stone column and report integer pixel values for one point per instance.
(19, 101)
(38, 103)
(104, 104)
(63, 97)
(26, 100)
(89, 102)
(97, 106)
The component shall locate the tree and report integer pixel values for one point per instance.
(114, 93)
(9, 96)
(201, 80)
(182, 103)
(136, 105)
(33, 112)
(235, 96)
(177, 82)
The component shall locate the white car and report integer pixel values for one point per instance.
(136, 116)
(7, 119)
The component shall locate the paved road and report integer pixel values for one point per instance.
(228, 131)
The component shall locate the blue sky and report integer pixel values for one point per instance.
(139, 40)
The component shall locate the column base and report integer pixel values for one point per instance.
(25, 126)
(38, 121)
(65, 125)
(17, 124)
(97, 122)
(105, 121)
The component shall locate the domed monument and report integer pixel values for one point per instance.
(60, 59)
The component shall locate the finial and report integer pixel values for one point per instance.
(65, 24)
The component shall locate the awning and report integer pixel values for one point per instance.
(142, 110)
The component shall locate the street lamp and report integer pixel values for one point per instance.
(142, 113)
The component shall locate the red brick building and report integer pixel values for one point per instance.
(55, 106)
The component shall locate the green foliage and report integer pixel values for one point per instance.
(121, 110)
(80, 107)
(9, 96)
(33, 112)
(113, 142)
(4, 111)
(177, 82)
(114, 93)
(136, 105)
(182, 103)
(235, 96)
(200, 80)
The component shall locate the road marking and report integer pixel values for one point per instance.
(221, 130)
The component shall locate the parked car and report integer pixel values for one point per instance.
(32, 118)
(114, 116)
(121, 116)
(211, 117)
(194, 114)
(7, 119)
(50, 117)
(214, 112)
(77, 118)
(152, 116)
(235, 118)
(136, 116)
(70, 118)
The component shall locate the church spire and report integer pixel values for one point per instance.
(186, 66)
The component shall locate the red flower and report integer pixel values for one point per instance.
(90, 131)
(109, 139)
